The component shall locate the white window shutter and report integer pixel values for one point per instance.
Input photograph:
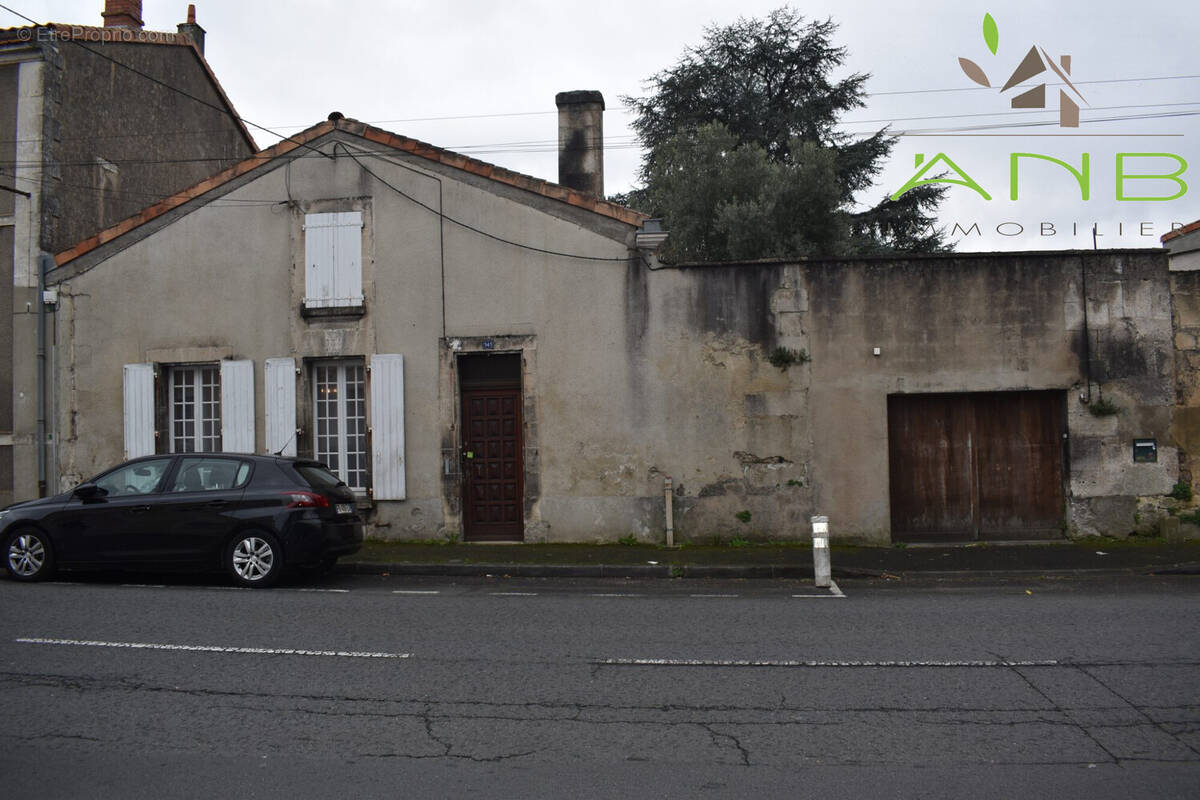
(280, 401)
(139, 410)
(387, 427)
(333, 259)
(347, 251)
(237, 406)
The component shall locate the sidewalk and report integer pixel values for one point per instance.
(1137, 556)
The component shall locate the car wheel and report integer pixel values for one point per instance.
(254, 558)
(28, 555)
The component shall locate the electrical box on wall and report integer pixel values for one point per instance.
(1145, 451)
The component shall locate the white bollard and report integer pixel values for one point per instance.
(820, 536)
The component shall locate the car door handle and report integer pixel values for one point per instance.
(138, 509)
(216, 503)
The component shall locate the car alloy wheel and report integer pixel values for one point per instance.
(28, 556)
(254, 559)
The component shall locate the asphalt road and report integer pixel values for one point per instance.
(362, 686)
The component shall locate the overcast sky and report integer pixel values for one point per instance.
(488, 73)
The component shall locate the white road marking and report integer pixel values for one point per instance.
(327, 591)
(712, 595)
(143, 586)
(197, 648)
(834, 591)
(690, 662)
(416, 591)
(513, 594)
(614, 594)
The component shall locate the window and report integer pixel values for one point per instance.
(189, 408)
(340, 417)
(333, 260)
(140, 478)
(194, 405)
(210, 475)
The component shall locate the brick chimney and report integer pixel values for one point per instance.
(191, 29)
(581, 141)
(123, 14)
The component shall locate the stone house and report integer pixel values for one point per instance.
(95, 124)
(485, 355)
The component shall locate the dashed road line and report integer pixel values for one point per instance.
(513, 594)
(615, 594)
(834, 591)
(713, 595)
(416, 591)
(693, 662)
(199, 648)
(327, 591)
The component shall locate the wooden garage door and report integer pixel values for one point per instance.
(976, 466)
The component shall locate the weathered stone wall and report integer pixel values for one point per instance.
(632, 374)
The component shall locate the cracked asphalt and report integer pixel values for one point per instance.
(375, 686)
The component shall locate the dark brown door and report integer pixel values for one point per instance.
(493, 468)
(976, 466)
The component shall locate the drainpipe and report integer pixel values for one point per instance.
(45, 262)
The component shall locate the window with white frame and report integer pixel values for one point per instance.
(194, 408)
(333, 259)
(340, 420)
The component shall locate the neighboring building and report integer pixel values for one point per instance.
(95, 124)
(486, 355)
(1183, 250)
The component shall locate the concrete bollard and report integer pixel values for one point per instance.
(669, 507)
(820, 535)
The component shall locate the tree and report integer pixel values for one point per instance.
(744, 158)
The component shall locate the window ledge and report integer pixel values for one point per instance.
(332, 312)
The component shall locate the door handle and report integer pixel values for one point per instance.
(138, 509)
(216, 503)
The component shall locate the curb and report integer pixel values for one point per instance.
(727, 572)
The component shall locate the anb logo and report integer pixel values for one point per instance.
(1036, 62)
(1039, 67)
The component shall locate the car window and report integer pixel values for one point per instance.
(209, 475)
(318, 476)
(141, 477)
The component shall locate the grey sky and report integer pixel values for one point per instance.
(396, 64)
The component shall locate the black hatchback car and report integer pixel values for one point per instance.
(249, 515)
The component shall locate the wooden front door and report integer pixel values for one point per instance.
(976, 466)
(493, 466)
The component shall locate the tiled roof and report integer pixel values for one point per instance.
(371, 134)
(1186, 229)
(87, 35)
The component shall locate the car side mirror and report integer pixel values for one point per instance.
(90, 492)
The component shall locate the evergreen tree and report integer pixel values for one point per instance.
(744, 159)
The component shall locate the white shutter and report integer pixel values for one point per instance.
(333, 259)
(279, 386)
(237, 406)
(139, 410)
(387, 427)
(347, 254)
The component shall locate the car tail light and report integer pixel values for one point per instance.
(306, 500)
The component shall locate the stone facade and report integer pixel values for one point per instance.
(761, 389)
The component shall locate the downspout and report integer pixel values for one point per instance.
(1087, 337)
(44, 262)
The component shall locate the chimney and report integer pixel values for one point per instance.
(192, 30)
(581, 141)
(123, 14)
